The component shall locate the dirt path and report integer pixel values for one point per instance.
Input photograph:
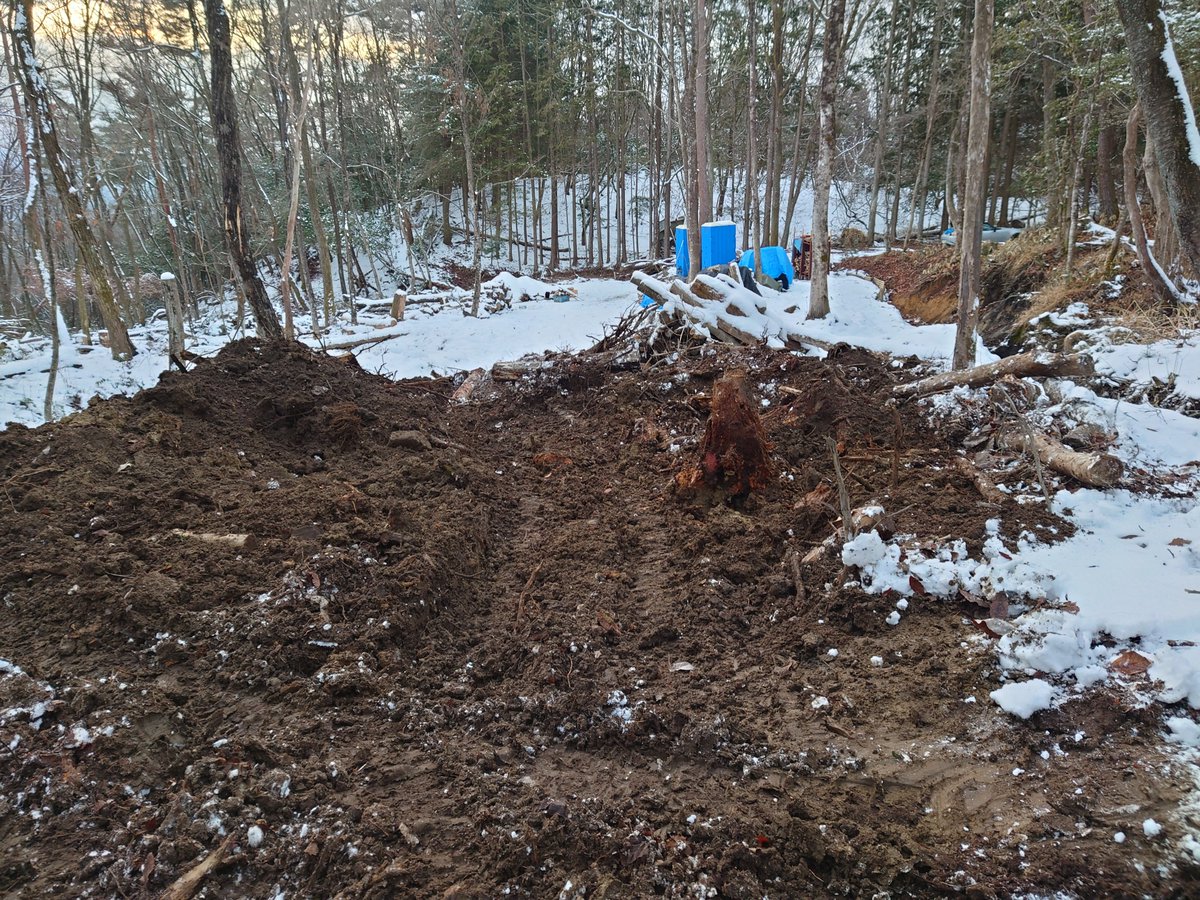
(497, 657)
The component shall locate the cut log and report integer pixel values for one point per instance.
(1101, 470)
(516, 369)
(656, 290)
(469, 386)
(1021, 365)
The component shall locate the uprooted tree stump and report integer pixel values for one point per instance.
(735, 455)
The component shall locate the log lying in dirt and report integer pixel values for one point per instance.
(986, 487)
(1021, 365)
(185, 887)
(236, 541)
(1101, 470)
(469, 386)
(716, 308)
(516, 369)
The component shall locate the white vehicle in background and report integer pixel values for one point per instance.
(991, 234)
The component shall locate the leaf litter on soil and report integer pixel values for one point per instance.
(508, 657)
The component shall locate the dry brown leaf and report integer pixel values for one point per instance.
(1130, 663)
(974, 599)
(998, 608)
(608, 621)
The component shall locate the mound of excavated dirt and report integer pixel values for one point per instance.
(328, 635)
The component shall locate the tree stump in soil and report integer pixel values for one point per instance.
(735, 455)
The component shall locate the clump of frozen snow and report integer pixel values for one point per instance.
(1184, 731)
(519, 287)
(906, 568)
(1024, 698)
(254, 836)
(1151, 829)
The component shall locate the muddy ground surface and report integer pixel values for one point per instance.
(498, 656)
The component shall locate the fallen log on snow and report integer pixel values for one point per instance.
(1021, 365)
(363, 342)
(1100, 470)
(516, 369)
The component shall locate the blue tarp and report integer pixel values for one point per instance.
(775, 262)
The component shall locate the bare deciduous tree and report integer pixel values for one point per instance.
(975, 196)
(229, 154)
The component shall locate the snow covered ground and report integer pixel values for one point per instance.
(450, 341)
(432, 338)
(858, 316)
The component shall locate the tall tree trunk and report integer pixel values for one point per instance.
(920, 194)
(1010, 161)
(831, 65)
(773, 186)
(312, 173)
(1170, 118)
(299, 103)
(1106, 181)
(38, 109)
(1049, 141)
(998, 161)
(1166, 240)
(885, 103)
(976, 189)
(752, 192)
(1137, 228)
(229, 153)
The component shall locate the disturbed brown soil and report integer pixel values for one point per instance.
(1020, 278)
(499, 656)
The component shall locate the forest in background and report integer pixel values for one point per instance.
(555, 135)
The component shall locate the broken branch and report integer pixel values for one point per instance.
(1102, 470)
(1021, 365)
(185, 887)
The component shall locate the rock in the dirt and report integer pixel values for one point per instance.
(410, 440)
